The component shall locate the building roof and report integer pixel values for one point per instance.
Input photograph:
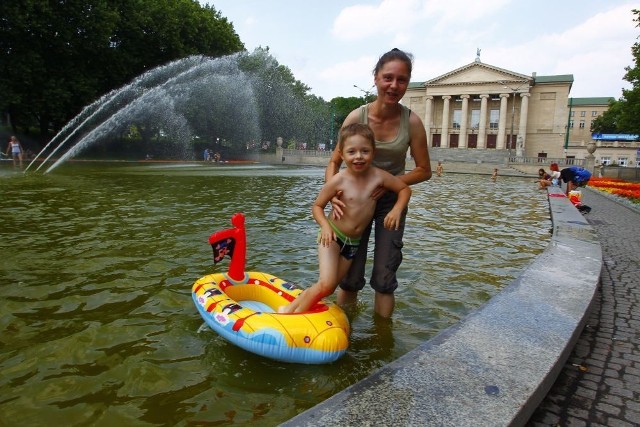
(561, 78)
(602, 100)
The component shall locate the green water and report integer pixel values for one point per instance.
(97, 263)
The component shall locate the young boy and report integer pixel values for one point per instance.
(338, 239)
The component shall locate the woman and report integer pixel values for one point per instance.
(15, 148)
(396, 130)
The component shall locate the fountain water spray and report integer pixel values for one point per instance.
(179, 96)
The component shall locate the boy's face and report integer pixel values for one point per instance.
(357, 153)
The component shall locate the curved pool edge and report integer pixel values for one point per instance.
(496, 365)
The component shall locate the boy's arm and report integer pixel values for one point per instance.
(326, 193)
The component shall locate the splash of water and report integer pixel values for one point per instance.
(179, 97)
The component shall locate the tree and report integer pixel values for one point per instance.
(623, 115)
(57, 57)
(630, 114)
(608, 121)
(285, 107)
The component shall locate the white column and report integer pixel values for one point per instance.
(462, 140)
(482, 131)
(502, 123)
(428, 119)
(444, 137)
(522, 124)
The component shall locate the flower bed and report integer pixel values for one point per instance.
(618, 187)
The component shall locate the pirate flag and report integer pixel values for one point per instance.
(222, 248)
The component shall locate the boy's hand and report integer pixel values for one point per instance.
(327, 235)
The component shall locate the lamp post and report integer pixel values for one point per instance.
(367, 93)
(333, 119)
(514, 90)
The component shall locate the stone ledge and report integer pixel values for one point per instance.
(497, 364)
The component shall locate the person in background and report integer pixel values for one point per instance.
(439, 169)
(574, 177)
(494, 175)
(339, 239)
(16, 150)
(396, 129)
(544, 179)
(555, 174)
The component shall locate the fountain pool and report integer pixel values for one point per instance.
(98, 262)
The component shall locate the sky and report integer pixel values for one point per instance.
(333, 45)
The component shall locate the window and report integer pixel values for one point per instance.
(581, 124)
(623, 161)
(571, 124)
(583, 113)
(594, 114)
(572, 114)
(457, 116)
(494, 117)
(605, 160)
(475, 119)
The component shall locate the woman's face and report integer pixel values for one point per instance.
(392, 81)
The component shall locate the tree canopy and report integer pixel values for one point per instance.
(623, 115)
(56, 57)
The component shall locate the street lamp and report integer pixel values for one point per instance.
(367, 93)
(514, 90)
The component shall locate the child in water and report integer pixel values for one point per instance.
(338, 239)
(494, 176)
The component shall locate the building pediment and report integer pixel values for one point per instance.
(477, 73)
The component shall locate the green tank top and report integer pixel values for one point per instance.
(391, 155)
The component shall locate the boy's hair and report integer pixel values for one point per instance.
(356, 129)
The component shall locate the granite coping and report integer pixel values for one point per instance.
(496, 365)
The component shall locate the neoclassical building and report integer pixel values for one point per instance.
(484, 107)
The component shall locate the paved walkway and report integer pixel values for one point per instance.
(600, 383)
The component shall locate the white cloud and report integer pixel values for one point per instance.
(389, 17)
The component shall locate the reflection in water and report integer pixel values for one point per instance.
(98, 262)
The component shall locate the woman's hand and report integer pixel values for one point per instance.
(378, 192)
(337, 205)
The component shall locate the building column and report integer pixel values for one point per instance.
(482, 130)
(444, 138)
(522, 124)
(462, 139)
(428, 119)
(502, 123)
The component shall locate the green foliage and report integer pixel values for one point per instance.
(608, 121)
(57, 57)
(343, 106)
(623, 115)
